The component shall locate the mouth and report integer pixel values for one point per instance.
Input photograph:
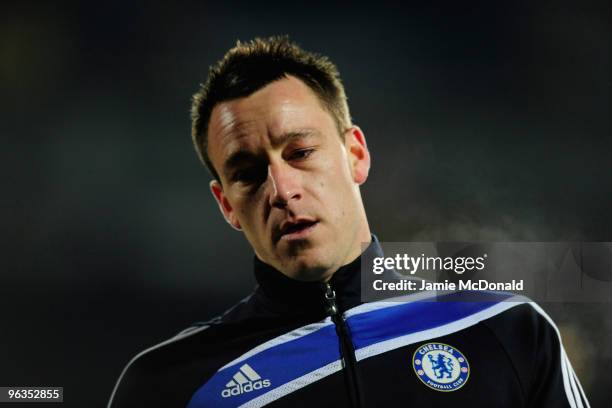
(300, 229)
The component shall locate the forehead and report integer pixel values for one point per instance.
(286, 105)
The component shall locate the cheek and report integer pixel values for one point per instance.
(245, 215)
(334, 195)
(249, 213)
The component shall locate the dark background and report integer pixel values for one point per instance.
(486, 121)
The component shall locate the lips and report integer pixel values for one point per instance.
(296, 229)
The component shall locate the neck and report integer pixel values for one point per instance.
(363, 239)
(345, 280)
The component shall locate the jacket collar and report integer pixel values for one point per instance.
(289, 296)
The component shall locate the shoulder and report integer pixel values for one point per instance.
(165, 364)
(524, 314)
(533, 344)
(523, 326)
(525, 331)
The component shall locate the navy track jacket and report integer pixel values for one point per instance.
(297, 344)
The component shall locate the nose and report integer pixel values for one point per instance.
(285, 184)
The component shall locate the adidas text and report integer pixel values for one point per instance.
(242, 388)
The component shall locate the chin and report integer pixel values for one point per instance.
(309, 266)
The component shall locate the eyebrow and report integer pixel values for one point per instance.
(240, 156)
(296, 134)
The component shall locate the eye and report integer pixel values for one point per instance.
(250, 175)
(301, 154)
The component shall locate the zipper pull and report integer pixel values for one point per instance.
(330, 299)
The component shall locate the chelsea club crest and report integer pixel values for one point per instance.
(440, 366)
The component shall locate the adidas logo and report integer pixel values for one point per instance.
(245, 380)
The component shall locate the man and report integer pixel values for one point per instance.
(273, 127)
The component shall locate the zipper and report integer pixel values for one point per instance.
(347, 350)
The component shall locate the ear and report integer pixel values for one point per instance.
(359, 155)
(224, 205)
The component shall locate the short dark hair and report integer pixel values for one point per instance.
(248, 67)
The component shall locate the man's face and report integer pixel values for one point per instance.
(289, 181)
